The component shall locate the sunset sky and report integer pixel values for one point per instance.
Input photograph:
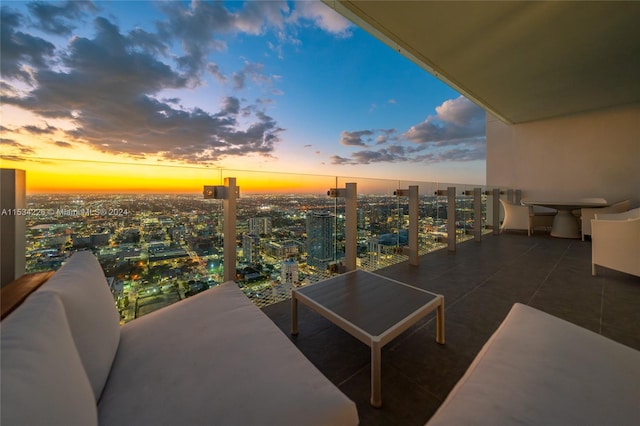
(166, 93)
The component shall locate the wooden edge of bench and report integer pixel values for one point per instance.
(13, 294)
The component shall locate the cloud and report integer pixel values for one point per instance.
(369, 156)
(471, 151)
(455, 120)
(255, 73)
(398, 154)
(354, 138)
(455, 133)
(111, 85)
(336, 159)
(35, 130)
(382, 155)
(386, 136)
(63, 144)
(107, 86)
(365, 137)
(214, 70)
(21, 52)
(323, 17)
(59, 18)
(9, 145)
(199, 24)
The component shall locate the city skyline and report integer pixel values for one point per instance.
(159, 249)
(260, 85)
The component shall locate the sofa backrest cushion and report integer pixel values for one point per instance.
(43, 380)
(91, 312)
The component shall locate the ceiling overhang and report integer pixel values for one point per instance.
(522, 61)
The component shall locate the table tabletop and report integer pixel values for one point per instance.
(568, 204)
(371, 302)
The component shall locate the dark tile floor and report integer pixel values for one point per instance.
(480, 282)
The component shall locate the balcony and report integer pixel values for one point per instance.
(480, 279)
(157, 249)
(588, 150)
(480, 284)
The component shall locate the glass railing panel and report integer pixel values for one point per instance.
(487, 210)
(432, 234)
(382, 223)
(464, 210)
(442, 212)
(148, 237)
(159, 240)
(289, 232)
(464, 213)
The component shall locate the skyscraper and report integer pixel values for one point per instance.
(320, 239)
(260, 225)
(251, 248)
(289, 273)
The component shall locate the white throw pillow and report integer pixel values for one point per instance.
(43, 380)
(91, 312)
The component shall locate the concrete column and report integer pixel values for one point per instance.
(12, 224)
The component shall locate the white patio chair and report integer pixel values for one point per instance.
(616, 242)
(588, 213)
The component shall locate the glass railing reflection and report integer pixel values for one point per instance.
(158, 248)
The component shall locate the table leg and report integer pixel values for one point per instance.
(376, 380)
(294, 314)
(565, 225)
(440, 323)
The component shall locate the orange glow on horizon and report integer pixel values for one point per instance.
(68, 176)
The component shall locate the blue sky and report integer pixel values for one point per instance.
(275, 86)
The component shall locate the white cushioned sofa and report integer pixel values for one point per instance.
(538, 369)
(212, 359)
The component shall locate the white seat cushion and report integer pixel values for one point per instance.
(215, 358)
(540, 370)
(91, 312)
(43, 380)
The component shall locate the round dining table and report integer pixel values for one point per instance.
(565, 224)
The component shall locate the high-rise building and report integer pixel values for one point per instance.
(284, 249)
(289, 272)
(260, 225)
(320, 239)
(251, 248)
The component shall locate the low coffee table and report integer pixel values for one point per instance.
(372, 308)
